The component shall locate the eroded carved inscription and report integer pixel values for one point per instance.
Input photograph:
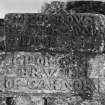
(52, 58)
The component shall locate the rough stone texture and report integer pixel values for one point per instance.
(80, 6)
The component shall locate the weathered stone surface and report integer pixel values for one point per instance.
(2, 35)
(54, 58)
(95, 7)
